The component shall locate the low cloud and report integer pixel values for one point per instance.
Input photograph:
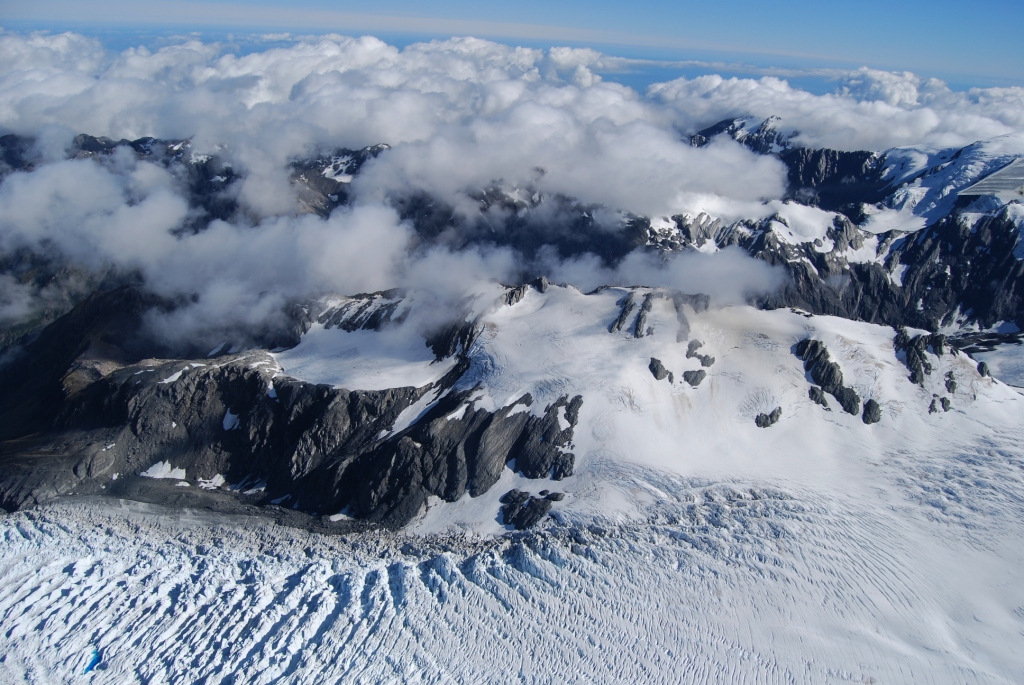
(871, 110)
(459, 115)
(729, 276)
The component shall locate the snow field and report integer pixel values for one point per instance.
(362, 360)
(558, 343)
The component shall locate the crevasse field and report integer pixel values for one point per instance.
(691, 546)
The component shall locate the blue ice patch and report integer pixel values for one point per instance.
(94, 661)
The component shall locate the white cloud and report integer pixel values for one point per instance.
(872, 110)
(729, 276)
(458, 114)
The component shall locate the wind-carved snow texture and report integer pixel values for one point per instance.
(720, 582)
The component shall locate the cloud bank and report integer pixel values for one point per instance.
(459, 115)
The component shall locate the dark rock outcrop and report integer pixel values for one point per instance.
(872, 412)
(834, 179)
(659, 370)
(323, 179)
(627, 305)
(641, 328)
(691, 353)
(950, 383)
(516, 294)
(983, 370)
(366, 311)
(765, 420)
(699, 302)
(522, 510)
(830, 179)
(817, 396)
(92, 416)
(98, 335)
(913, 351)
(453, 338)
(694, 378)
(959, 268)
(827, 374)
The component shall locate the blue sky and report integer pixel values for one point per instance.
(967, 46)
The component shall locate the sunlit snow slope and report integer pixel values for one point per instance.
(692, 545)
(558, 343)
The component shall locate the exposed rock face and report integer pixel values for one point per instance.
(208, 177)
(450, 455)
(366, 311)
(659, 370)
(922, 280)
(770, 419)
(764, 137)
(950, 383)
(516, 294)
(565, 224)
(983, 370)
(231, 419)
(872, 412)
(915, 353)
(453, 338)
(324, 179)
(827, 374)
(831, 179)
(694, 378)
(817, 396)
(82, 403)
(691, 353)
(321, 448)
(91, 409)
(947, 269)
(925, 279)
(834, 180)
(641, 329)
(522, 510)
(68, 355)
(209, 184)
(627, 304)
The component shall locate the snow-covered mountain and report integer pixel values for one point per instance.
(516, 459)
(366, 412)
(363, 419)
(716, 493)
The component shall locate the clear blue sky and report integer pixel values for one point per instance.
(976, 43)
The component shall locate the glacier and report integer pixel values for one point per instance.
(707, 549)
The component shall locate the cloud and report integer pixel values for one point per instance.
(872, 110)
(459, 114)
(729, 276)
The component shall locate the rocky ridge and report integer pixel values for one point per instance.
(91, 399)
